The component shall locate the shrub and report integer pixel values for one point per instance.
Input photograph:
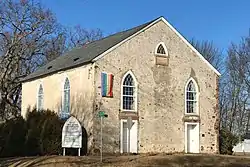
(227, 141)
(12, 137)
(39, 134)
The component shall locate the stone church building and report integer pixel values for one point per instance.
(149, 74)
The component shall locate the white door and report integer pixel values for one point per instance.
(124, 137)
(126, 142)
(133, 137)
(192, 138)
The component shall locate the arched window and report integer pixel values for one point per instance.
(161, 49)
(129, 92)
(40, 98)
(191, 97)
(66, 99)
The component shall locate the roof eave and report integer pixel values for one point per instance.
(56, 71)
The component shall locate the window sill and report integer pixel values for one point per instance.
(161, 55)
(126, 114)
(128, 111)
(191, 118)
(195, 114)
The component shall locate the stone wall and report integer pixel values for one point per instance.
(161, 103)
(81, 95)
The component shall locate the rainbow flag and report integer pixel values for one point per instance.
(107, 84)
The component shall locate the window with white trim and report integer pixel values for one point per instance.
(40, 98)
(66, 99)
(129, 93)
(161, 49)
(191, 97)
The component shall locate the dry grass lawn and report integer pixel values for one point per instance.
(127, 161)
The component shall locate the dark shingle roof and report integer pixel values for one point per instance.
(84, 54)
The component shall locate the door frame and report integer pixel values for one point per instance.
(121, 134)
(186, 140)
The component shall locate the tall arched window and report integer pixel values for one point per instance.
(191, 97)
(129, 92)
(40, 98)
(66, 99)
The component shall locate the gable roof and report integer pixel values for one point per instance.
(95, 50)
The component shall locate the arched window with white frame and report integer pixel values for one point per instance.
(191, 97)
(66, 99)
(40, 98)
(161, 49)
(129, 92)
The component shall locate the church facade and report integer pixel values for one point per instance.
(158, 91)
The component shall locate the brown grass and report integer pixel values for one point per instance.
(158, 160)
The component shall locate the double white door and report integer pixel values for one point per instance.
(129, 137)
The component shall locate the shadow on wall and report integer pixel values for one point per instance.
(81, 107)
(111, 129)
(84, 149)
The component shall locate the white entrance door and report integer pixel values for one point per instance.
(125, 142)
(192, 138)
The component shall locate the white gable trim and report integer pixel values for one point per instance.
(173, 29)
(191, 46)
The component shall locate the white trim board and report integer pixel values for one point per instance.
(174, 30)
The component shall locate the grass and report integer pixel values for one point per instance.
(160, 160)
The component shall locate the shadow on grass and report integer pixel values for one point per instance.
(200, 161)
(24, 161)
(137, 160)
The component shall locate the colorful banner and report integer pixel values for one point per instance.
(107, 84)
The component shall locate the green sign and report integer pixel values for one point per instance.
(101, 114)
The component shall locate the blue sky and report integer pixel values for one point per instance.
(221, 21)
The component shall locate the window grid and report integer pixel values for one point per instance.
(128, 97)
(40, 98)
(191, 98)
(66, 99)
(161, 50)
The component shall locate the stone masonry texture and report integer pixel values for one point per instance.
(161, 94)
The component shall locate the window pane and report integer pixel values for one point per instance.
(191, 86)
(128, 90)
(191, 96)
(128, 80)
(161, 49)
(190, 106)
(128, 103)
(66, 98)
(40, 98)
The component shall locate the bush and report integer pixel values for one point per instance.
(40, 134)
(227, 141)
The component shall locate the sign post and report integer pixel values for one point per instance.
(102, 115)
(129, 124)
(72, 135)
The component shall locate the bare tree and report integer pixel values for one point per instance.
(210, 52)
(30, 36)
(78, 36)
(27, 34)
